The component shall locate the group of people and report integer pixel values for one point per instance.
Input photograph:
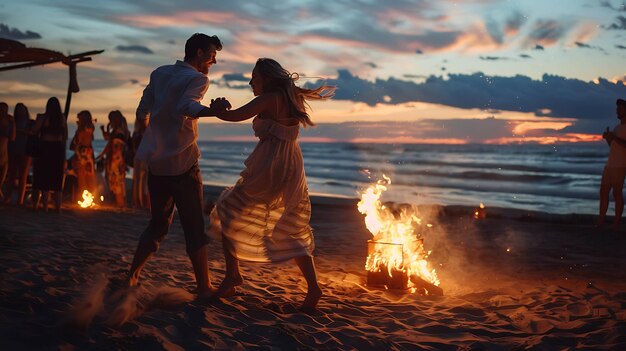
(42, 142)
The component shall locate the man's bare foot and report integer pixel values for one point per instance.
(313, 296)
(227, 287)
(131, 281)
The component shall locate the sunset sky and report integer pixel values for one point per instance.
(441, 71)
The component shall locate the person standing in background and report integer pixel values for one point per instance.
(7, 133)
(19, 161)
(117, 136)
(83, 161)
(615, 170)
(141, 196)
(49, 165)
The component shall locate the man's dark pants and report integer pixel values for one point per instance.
(185, 192)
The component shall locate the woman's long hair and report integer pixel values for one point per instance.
(56, 119)
(118, 123)
(85, 121)
(276, 78)
(22, 117)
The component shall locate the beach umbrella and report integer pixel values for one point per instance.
(14, 55)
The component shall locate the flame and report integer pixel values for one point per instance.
(87, 200)
(405, 251)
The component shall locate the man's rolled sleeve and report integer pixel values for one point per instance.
(189, 104)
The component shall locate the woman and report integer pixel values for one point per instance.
(7, 133)
(117, 136)
(265, 216)
(83, 161)
(49, 165)
(141, 197)
(19, 161)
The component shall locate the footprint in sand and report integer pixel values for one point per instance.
(579, 309)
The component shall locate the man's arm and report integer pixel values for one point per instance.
(612, 137)
(146, 102)
(189, 104)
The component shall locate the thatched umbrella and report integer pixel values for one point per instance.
(17, 55)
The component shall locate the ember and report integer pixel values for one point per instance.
(480, 212)
(396, 257)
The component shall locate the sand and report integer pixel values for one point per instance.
(559, 286)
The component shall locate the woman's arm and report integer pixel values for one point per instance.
(256, 106)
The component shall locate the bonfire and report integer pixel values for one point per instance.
(87, 200)
(396, 255)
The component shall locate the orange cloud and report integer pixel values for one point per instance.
(409, 140)
(547, 140)
(188, 19)
(523, 127)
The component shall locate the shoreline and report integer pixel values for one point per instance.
(212, 191)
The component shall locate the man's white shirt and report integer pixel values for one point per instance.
(172, 101)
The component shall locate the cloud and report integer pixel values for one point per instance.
(233, 81)
(514, 23)
(608, 4)
(15, 34)
(545, 32)
(551, 96)
(587, 46)
(494, 58)
(134, 48)
(583, 45)
(620, 25)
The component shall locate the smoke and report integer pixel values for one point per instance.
(106, 301)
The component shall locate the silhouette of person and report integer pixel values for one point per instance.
(265, 216)
(171, 102)
(141, 197)
(7, 134)
(83, 161)
(615, 170)
(19, 160)
(49, 164)
(117, 136)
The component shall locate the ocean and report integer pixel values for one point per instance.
(549, 178)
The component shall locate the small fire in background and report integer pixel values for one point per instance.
(87, 200)
(480, 212)
(396, 258)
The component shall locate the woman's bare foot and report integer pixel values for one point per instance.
(207, 292)
(227, 287)
(313, 296)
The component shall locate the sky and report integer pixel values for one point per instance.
(407, 71)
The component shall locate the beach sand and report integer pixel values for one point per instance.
(560, 285)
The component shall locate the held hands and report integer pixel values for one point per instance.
(220, 105)
(608, 135)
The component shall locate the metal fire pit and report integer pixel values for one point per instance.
(398, 279)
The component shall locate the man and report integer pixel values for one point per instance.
(615, 169)
(171, 101)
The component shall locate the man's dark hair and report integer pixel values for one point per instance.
(621, 102)
(200, 41)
